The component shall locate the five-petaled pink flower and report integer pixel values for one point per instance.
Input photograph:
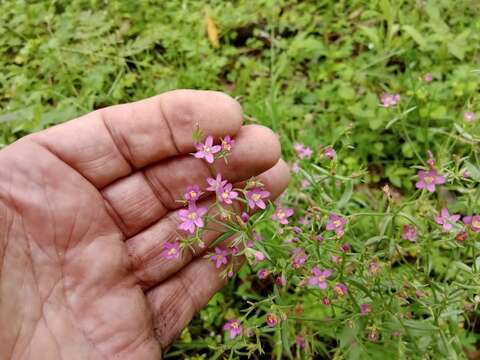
(429, 179)
(340, 289)
(207, 150)
(337, 224)
(233, 327)
(390, 99)
(329, 153)
(171, 251)
(469, 116)
(255, 198)
(303, 152)
(192, 193)
(319, 277)
(409, 233)
(191, 217)
(227, 143)
(281, 215)
(226, 194)
(220, 257)
(216, 183)
(473, 221)
(446, 220)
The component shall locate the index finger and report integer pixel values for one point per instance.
(111, 143)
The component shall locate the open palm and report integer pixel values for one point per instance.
(85, 208)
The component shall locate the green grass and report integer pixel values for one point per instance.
(313, 71)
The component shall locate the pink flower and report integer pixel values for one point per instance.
(227, 143)
(171, 251)
(431, 159)
(304, 184)
(365, 309)
(336, 259)
(329, 153)
(373, 335)
(319, 238)
(245, 217)
(428, 77)
(191, 217)
(389, 100)
(226, 194)
(473, 221)
(233, 327)
(255, 198)
(257, 236)
(419, 293)
(446, 220)
(299, 258)
(192, 193)
(337, 224)
(297, 230)
(295, 167)
(220, 257)
(469, 116)
(302, 151)
(304, 220)
(429, 179)
(263, 274)
(346, 247)
(409, 233)
(373, 268)
(216, 183)
(300, 341)
(319, 277)
(272, 320)
(326, 301)
(281, 215)
(259, 256)
(281, 281)
(340, 289)
(207, 150)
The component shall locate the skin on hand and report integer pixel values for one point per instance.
(85, 208)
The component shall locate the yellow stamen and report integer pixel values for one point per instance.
(428, 179)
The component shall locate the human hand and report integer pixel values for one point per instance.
(85, 208)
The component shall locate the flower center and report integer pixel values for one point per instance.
(234, 325)
(337, 223)
(321, 278)
(206, 149)
(225, 195)
(172, 251)
(193, 194)
(281, 214)
(192, 215)
(256, 197)
(476, 223)
(428, 179)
